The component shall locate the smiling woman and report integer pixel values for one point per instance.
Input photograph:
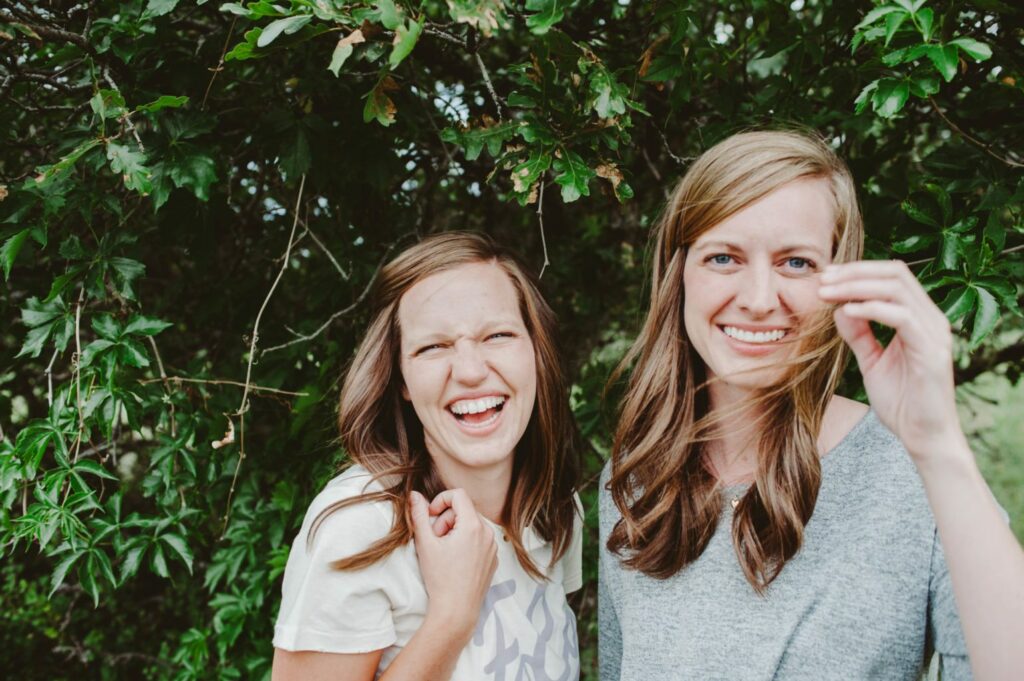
(448, 547)
(754, 524)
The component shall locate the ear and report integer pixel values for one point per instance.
(405, 393)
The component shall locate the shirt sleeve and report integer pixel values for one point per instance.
(336, 611)
(944, 631)
(572, 573)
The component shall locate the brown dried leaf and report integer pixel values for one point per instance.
(648, 55)
(353, 38)
(610, 172)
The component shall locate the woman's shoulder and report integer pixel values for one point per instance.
(336, 514)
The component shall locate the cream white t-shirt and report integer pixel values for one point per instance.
(526, 630)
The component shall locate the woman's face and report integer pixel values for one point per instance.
(749, 281)
(468, 366)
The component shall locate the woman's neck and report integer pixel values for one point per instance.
(733, 456)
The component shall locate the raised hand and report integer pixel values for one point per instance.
(909, 382)
(457, 556)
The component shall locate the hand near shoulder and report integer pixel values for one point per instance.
(457, 555)
(909, 382)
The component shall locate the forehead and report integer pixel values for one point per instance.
(459, 300)
(799, 214)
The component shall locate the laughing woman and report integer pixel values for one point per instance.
(757, 526)
(448, 548)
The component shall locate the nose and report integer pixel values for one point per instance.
(469, 366)
(758, 292)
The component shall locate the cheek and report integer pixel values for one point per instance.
(802, 296)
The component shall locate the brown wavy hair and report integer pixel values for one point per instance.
(380, 430)
(670, 502)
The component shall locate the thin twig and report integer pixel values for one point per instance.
(431, 30)
(49, 379)
(78, 373)
(220, 63)
(344, 275)
(489, 84)
(167, 389)
(681, 160)
(342, 312)
(211, 381)
(244, 405)
(540, 221)
(976, 142)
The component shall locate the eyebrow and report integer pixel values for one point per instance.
(442, 336)
(729, 246)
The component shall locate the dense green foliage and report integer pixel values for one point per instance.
(194, 200)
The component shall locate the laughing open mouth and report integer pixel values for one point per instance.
(477, 412)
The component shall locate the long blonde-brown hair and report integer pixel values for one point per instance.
(670, 502)
(380, 430)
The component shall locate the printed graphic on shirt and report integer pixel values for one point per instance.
(514, 658)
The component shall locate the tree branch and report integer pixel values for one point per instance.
(976, 142)
(244, 406)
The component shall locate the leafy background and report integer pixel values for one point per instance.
(195, 198)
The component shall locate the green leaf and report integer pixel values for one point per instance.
(892, 24)
(890, 97)
(9, 251)
(548, 13)
(607, 96)
(342, 52)
(573, 176)
(958, 303)
(945, 59)
(106, 326)
(194, 170)
(926, 17)
(876, 14)
(924, 85)
(864, 98)
(159, 562)
(179, 546)
(390, 15)
(379, 106)
(287, 26)
(949, 252)
(985, 319)
(158, 8)
(130, 561)
(918, 215)
(405, 39)
(943, 199)
(130, 165)
(108, 104)
(474, 140)
(61, 570)
(164, 102)
(914, 243)
(133, 354)
(975, 49)
(95, 348)
(526, 174)
(93, 468)
(146, 326)
(485, 15)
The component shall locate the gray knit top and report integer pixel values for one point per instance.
(866, 597)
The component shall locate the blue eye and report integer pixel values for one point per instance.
(720, 259)
(800, 263)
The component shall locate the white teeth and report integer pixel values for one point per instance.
(754, 336)
(476, 406)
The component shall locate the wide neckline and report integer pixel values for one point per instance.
(824, 458)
